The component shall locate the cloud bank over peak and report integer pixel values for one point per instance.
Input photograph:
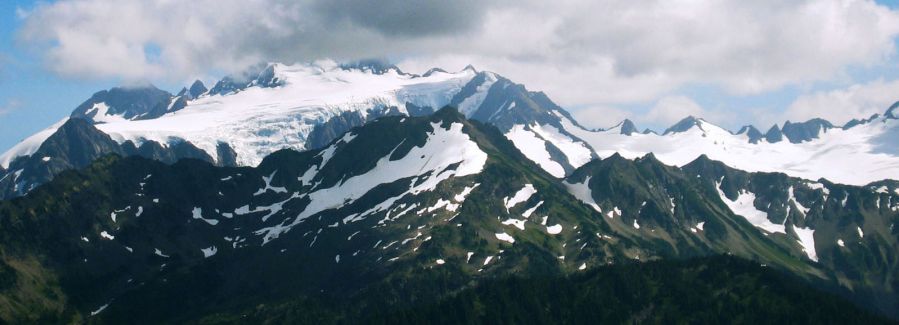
(842, 105)
(582, 53)
(152, 39)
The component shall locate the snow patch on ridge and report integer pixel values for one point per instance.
(527, 213)
(582, 192)
(268, 185)
(807, 240)
(198, 214)
(534, 148)
(577, 153)
(471, 104)
(467, 190)
(443, 148)
(791, 198)
(505, 237)
(521, 196)
(209, 251)
(514, 222)
(99, 310)
(743, 206)
(101, 114)
(554, 229)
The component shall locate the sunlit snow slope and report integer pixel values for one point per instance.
(858, 155)
(258, 121)
(285, 106)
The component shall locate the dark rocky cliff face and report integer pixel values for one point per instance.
(805, 131)
(129, 103)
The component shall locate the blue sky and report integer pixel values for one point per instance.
(654, 75)
(32, 98)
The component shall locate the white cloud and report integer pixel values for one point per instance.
(763, 118)
(571, 85)
(670, 110)
(582, 53)
(600, 117)
(9, 106)
(150, 39)
(664, 113)
(91, 38)
(842, 105)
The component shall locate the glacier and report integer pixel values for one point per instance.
(262, 118)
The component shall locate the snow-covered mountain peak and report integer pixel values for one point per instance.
(261, 75)
(626, 127)
(433, 71)
(124, 103)
(307, 105)
(272, 106)
(476, 91)
(684, 125)
(701, 127)
(284, 103)
(859, 155)
(890, 113)
(805, 131)
(196, 89)
(751, 132)
(372, 66)
(275, 106)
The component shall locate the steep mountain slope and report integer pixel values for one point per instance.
(390, 196)
(416, 207)
(848, 231)
(845, 234)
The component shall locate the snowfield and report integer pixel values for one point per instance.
(745, 208)
(583, 193)
(856, 156)
(258, 121)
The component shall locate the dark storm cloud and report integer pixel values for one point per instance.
(406, 18)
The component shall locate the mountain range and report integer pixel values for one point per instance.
(245, 117)
(365, 186)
